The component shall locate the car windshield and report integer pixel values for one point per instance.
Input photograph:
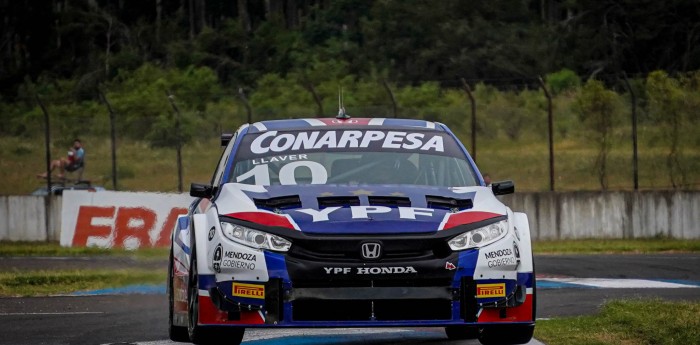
(411, 157)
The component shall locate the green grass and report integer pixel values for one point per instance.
(627, 322)
(42, 283)
(140, 167)
(525, 161)
(618, 246)
(55, 249)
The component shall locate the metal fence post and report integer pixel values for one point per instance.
(47, 138)
(248, 109)
(178, 144)
(635, 166)
(550, 122)
(468, 90)
(309, 86)
(113, 137)
(391, 96)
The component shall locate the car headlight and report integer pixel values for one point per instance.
(480, 237)
(254, 238)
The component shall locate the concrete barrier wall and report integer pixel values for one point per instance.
(566, 215)
(23, 218)
(573, 215)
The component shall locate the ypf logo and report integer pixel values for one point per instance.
(371, 250)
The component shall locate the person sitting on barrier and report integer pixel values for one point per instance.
(73, 162)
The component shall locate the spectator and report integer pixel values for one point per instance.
(73, 162)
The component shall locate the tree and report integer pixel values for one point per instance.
(597, 109)
(666, 106)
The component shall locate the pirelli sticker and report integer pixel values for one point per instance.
(490, 290)
(248, 290)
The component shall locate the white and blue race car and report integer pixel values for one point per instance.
(350, 222)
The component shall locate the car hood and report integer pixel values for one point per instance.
(359, 209)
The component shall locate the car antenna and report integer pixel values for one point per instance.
(341, 107)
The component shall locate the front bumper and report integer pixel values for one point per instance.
(302, 291)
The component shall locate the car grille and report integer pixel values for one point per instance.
(348, 249)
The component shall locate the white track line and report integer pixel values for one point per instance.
(64, 313)
(621, 283)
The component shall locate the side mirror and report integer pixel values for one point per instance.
(201, 190)
(226, 138)
(503, 187)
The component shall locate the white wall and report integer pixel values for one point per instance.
(566, 215)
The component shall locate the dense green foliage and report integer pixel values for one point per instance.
(95, 41)
(288, 58)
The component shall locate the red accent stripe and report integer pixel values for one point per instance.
(210, 315)
(467, 218)
(269, 219)
(520, 313)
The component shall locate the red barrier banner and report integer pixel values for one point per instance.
(120, 219)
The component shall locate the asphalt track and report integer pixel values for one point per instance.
(111, 317)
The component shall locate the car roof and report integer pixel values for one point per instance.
(355, 123)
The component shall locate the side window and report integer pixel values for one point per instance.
(216, 179)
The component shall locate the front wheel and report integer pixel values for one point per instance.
(210, 334)
(506, 334)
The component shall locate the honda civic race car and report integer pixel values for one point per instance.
(350, 222)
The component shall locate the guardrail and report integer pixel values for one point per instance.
(552, 215)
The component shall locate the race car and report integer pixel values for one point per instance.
(350, 222)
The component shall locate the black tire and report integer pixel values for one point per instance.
(462, 332)
(506, 334)
(176, 333)
(534, 292)
(211, 334)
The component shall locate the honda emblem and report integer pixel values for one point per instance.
(371, 250)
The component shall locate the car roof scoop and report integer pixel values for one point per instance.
(453, 204)
(278, 203)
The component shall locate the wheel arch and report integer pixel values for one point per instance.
(522, 225)
(200, 229)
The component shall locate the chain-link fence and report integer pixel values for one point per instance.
(620, 134)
